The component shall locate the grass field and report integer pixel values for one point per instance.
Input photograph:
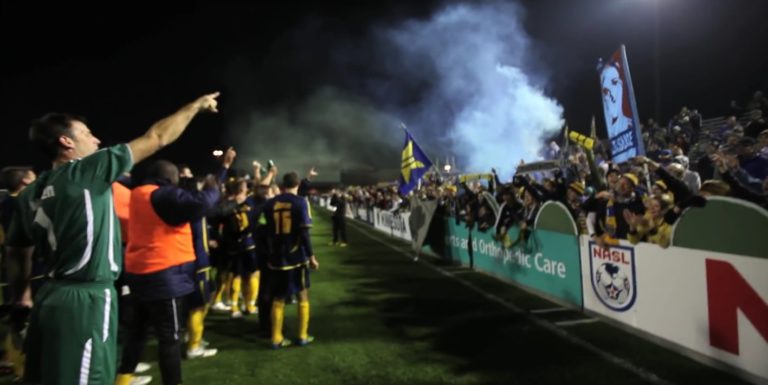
(380, 318)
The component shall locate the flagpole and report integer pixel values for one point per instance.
(564, 152)
(402, 125)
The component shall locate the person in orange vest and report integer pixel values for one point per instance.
(160, 265)
(121, 195)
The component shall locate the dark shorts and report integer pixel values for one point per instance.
(204, 289)
(285, 283)
(242, 264)
(265, 285)
(218, 259)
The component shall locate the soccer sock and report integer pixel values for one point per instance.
(237, 282)
(253, 292)
(123, 379)
(196, 325)
(223, 288)
(278, 312)
(303, 320)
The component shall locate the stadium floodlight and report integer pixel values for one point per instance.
(218, 153)
(447, 168)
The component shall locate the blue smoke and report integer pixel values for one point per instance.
(464, 80)
(481, 99)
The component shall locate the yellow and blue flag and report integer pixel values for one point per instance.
(413, 166)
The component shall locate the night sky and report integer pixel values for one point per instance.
(128, 64)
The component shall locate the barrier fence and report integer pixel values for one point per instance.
(705, 294)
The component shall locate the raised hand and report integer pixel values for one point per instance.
(207, 102)
(732, 162)
(313, 263)
(229, 157)
(631, 218)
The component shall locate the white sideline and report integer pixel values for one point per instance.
(620, 362)
(549, 310)
(577, 322)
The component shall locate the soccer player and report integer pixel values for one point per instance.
(217, 256)
(237, 240)
(198, 302)
(68, 213)
(15, 179)
(290, 257)
(262, 195)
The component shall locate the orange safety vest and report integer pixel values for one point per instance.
(153, 244)
(122, 199)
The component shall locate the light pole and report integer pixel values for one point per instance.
(657, 58)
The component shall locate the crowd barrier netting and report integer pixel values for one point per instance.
(705, 294)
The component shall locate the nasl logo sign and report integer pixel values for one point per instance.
(613, 275)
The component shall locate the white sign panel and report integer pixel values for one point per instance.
(711, 303)
(393, 224)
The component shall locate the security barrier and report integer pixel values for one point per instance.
(705, 294)
(548, 262)
(712, 302)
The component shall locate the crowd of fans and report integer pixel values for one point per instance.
(638, 201)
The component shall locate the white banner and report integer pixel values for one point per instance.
(362, 213)
(393, 224)
(711, 303)
(349, 213)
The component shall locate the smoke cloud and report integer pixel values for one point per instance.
(481, 57)
(331, 130)
(464, 80)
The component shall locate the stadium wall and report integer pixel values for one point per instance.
(705, 294)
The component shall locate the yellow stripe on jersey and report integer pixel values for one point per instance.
(288, 267)
(204, 229)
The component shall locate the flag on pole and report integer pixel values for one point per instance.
(413, 166)
(619, 107)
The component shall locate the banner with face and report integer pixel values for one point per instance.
(621, 118)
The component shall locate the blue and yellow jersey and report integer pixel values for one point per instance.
(288, 220)
(238, 227)
(200, 243)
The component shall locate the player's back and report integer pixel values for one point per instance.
(288, 217)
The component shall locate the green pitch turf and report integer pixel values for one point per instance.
(380, 318)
